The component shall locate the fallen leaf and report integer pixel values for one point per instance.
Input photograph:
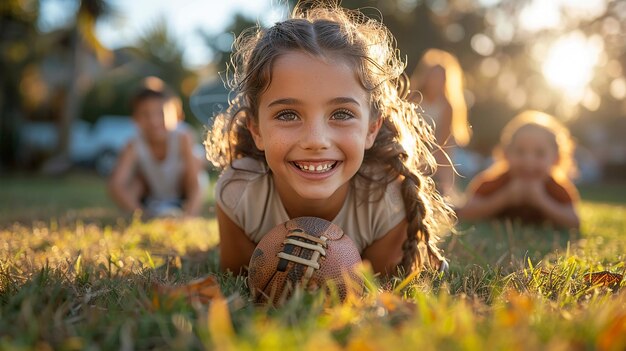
(604, 278)
(202, 290)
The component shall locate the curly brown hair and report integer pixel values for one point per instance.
(403, 145)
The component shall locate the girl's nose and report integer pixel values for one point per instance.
(315, 135)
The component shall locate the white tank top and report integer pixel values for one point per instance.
(163, 177)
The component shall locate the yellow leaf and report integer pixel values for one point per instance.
(220, 325)
(614, 335)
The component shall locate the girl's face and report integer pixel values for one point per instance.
(532, 153)
(314, 126)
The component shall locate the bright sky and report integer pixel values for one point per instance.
(184, 19)
(567, 62)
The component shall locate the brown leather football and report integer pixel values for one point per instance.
(305, 251)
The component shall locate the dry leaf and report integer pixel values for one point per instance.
(202, 290)
(604, 278)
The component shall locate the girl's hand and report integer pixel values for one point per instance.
(536, 193)
(516, 192)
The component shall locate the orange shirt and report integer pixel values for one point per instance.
(487, 183)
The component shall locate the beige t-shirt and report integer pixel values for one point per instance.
(250, 199)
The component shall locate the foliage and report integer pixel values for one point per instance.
(221, 43)
(156, 53)
(82, 284)
(17, 28)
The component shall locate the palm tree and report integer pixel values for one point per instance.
(83, 42)
(163, 54)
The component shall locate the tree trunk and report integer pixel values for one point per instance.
(61, 161)
(8, 129)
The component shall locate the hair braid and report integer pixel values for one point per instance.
(418, 230)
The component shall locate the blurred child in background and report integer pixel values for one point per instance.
(157, 172)
(438, 77)
(531, 177)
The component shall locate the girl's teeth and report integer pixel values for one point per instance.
(313, 168)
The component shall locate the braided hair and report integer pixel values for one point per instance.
(402, 148)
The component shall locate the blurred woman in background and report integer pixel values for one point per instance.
(438, 80)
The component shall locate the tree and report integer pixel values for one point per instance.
(18, 29)
(221, 43)
(83, 42)
(156, 53)
(159, 48)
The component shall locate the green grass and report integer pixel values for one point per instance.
(76, 275)
(27, 197)
(78, 196)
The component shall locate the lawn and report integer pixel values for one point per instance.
(76, 274)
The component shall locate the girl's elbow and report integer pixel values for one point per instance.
(574, 219)
(571, 223)
(468, 213)
(575, 223)
(235, 269)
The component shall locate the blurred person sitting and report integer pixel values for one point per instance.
(438, 79)
(157, 172)
(530, 179)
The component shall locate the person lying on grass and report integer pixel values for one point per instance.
(531, 177)
(318, 127)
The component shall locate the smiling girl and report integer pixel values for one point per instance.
(318, 128)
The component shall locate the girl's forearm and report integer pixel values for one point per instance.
(563, 215)
(478, 207)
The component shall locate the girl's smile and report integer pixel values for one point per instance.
(310, 168)
(314, 125)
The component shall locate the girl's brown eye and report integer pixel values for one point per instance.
(343, 115)
(286, 115)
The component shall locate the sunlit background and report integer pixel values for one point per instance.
(68, 60)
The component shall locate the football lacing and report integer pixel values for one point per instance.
(299, 233)
(318, 250)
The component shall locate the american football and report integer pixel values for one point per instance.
(306, 251)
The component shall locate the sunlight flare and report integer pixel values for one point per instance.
(570, 63)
